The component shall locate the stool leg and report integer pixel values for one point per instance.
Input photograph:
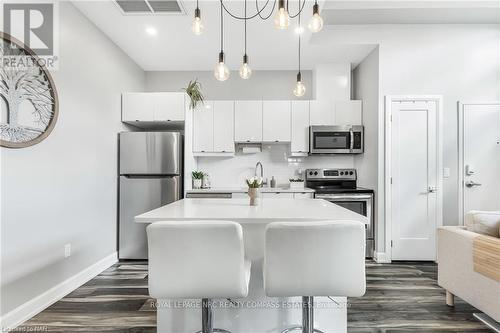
(307, 314)
(206, 315)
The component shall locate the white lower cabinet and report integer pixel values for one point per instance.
(213, 128)
(303, 195)
(278, 195)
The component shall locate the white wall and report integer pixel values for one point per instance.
(64, 189)
(460, 62)
(366, 88)
(262, 85)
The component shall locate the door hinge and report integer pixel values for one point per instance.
(391, 244)
(391, 117)
(391, 180)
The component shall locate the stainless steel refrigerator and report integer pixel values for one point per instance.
(150, 165)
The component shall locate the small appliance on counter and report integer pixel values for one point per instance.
(339, 186)
(345, 139)
(150, 166)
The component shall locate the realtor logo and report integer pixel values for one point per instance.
(34, 25)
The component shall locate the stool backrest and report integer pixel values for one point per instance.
(315, 259)
(196, 259)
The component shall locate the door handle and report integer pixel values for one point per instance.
(471, 183)
(351, 143)
(432, 189)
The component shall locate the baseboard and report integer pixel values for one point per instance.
(381, 257)
(34, 306)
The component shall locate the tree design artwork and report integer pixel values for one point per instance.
(26, 87)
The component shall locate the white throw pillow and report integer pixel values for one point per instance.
(483, 222)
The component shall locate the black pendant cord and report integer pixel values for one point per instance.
(260, 10)
(299, 41)
(245, 29)
(221, 29)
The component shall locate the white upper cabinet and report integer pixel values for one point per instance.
(137, 107)
(300, 127)
(276, 121)
(348, 112)
(223, 112)
(150, 107)
(322, 112)
(248, 121)
(203, 128)
(169, 106)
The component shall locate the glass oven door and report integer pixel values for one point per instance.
(361, 203)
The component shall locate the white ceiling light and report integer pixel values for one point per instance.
(151, 31)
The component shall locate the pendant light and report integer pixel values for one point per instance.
(282, 19)
(245, 70)
(221, 72)
(197, 26)
(300, 88)
(316, 22)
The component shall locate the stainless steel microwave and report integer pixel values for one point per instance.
(346, 139)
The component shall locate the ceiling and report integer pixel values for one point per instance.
(170, 44)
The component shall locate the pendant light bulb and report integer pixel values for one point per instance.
(245, 70)
(197, 26)
(316, 22)
(221, 72)
(300, 88)
(282, 19)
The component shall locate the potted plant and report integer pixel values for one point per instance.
(193, 90)
(197, 179)
(253, 189)
(296, 183)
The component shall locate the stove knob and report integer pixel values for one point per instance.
(310, 173)
(341, 173)
(351, 173)
(315, 173)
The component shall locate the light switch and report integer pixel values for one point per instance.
(446, 172)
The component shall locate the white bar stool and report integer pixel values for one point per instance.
(197, 260)
(314, 259)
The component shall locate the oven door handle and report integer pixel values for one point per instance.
(344, 197)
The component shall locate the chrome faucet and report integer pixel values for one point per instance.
(261, 169)
(264, 181)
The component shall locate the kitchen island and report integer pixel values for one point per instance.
(257, 313)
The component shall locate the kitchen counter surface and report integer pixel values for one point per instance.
(239, 210)
(244, 190)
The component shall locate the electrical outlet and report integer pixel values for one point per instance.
(67, 250)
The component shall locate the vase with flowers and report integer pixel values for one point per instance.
(253, 189)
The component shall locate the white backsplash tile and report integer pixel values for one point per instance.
(232, 171)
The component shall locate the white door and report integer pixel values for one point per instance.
(224, 126)
(415, 202)
(203, 128)
(169, 106)
(300, 127)
(248, 121)
(480, 157)
(276, 121)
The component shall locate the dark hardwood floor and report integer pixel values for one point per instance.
(400, 297)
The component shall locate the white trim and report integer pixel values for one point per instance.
(388, 161)
(460, 146)
(381, 258)
(34, 306)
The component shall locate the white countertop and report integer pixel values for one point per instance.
(245, 189)
(239, 210)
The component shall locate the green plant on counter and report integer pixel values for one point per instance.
(193, 90)
(197, 174)
(254, 182)
(296, 180)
